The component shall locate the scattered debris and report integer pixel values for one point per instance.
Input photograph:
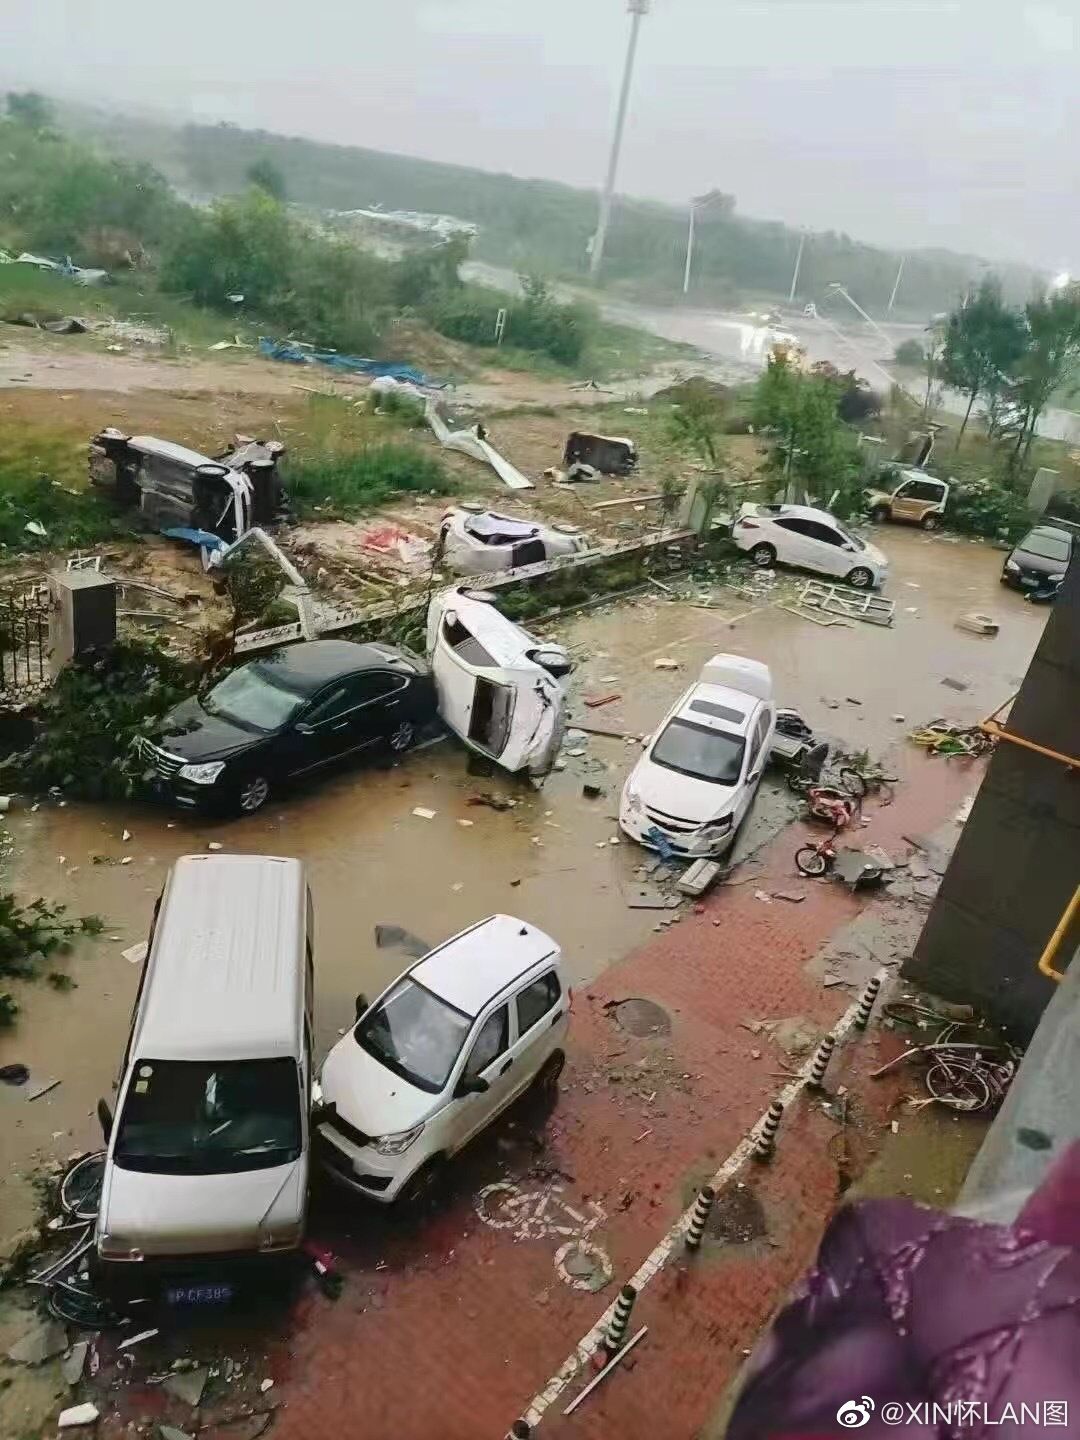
(977, 623)
(664, 663)
(819, 598)
(84, 1414)
(697, 878)
(422, 813)
(492, 801)
(136, 954)
(42, 1089)
(73, 1363)
(187, 1385)
(473, 442)
(793, 897)
(594, 702)
(610, 454)
(592, 791)
(40, 1344)
(954, 684)
(761, 895)
(266, 1385)
(137, 1339)
(211, 845)
(619, 1356)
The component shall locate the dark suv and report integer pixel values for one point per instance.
(286, 715)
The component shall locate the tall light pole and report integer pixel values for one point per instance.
(855, 305)
(699, 202)
(637, 9)
(798, 266)
(896, 286)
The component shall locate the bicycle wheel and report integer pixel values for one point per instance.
(74, 1303)
(80, 1189)
(854, 782)
(51, 1272)
(958, 1084)
(811, 861)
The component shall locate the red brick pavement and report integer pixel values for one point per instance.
(448, 1329)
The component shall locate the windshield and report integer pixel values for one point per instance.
(414, 1034)
(209, 1117)
(852, 539)
(249, 699)
(1049, 547)
(713, 755)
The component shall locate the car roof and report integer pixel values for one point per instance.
(480, 963)
(702, 706)
(311, 664)
(225, 973)
(806, 512)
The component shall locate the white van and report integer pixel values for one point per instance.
(208, 1154)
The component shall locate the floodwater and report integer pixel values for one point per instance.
(371, 861)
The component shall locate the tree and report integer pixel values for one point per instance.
(815, 445)
(933, 368)
(1050, 356)
(984, 339)
(265, 175)
(910, 353)
(29, 108)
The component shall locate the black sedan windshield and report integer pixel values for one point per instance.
(414, 1034)
(209, 1117)
(1046, 546)
(713, 755)
(249, 699)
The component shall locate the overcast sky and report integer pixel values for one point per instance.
(906, 122)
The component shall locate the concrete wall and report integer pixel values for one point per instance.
(1017, 863)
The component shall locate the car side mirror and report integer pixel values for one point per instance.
(105, 1119)
(361, 1002)
(471, 1085)
(303, 728)
(848, 545)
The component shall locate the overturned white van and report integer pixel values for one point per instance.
(499, 687)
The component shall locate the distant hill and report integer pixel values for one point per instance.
(544, 225)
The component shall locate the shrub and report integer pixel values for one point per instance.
(89, 720)
(343, 484)
(910, 353)
(982, 507)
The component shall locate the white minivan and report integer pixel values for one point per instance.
(208, 1153)
(450, 1044)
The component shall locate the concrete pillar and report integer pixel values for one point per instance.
(1042, 487)
(82, 616)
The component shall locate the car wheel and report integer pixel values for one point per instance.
(401, 738)
(763, 556)
(931, 521)
(879, 514)
(860, 578)
(423, 1187)
(547, 1079)
(252, 794)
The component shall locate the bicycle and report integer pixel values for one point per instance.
(817, 860)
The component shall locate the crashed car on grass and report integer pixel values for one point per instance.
(499, 687)
(693, 786)
(482, 542)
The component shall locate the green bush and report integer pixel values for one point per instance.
(910, 353)
(89, 720)
(982, 507)
(344, 484)
(536, 322)
(28, 495)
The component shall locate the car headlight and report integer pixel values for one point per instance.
(718, 827)
(202, 774)
(1012, 567)
(110, 1248)
(398, 1144)
(631, 800)
(1056, 579)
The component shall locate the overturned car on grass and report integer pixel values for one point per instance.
(178, 490)
(474, 541)
(499, 688)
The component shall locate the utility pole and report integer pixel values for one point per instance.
(896, 286)
(637, 9)
(798, 265)
(689, 249)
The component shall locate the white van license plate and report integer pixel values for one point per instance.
(199, 1294)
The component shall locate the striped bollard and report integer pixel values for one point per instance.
(866, 1002)
(821, 1063)
(620, 1321)
(765, 1140)
(520, 1430)
(699, 1217)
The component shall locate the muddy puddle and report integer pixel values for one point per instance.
(371, 861)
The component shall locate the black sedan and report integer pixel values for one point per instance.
(285, 715)
(1038, 564)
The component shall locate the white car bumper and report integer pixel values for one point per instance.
(696, 844)
(363, 1169)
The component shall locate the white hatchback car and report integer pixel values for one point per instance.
(692, 787)
(812, 540)
(450, 1044)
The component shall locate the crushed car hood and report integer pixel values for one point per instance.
(198, 1214)
(370, 1096)
(681, 795)
(202, 736)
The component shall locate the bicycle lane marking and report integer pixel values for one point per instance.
(578, 1361)
(525, 1213)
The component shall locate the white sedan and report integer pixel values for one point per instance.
(812, 540)
(692, 787)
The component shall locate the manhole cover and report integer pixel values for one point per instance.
(737, 1218)
(642, 1018)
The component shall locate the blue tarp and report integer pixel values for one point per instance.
(302, 355)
